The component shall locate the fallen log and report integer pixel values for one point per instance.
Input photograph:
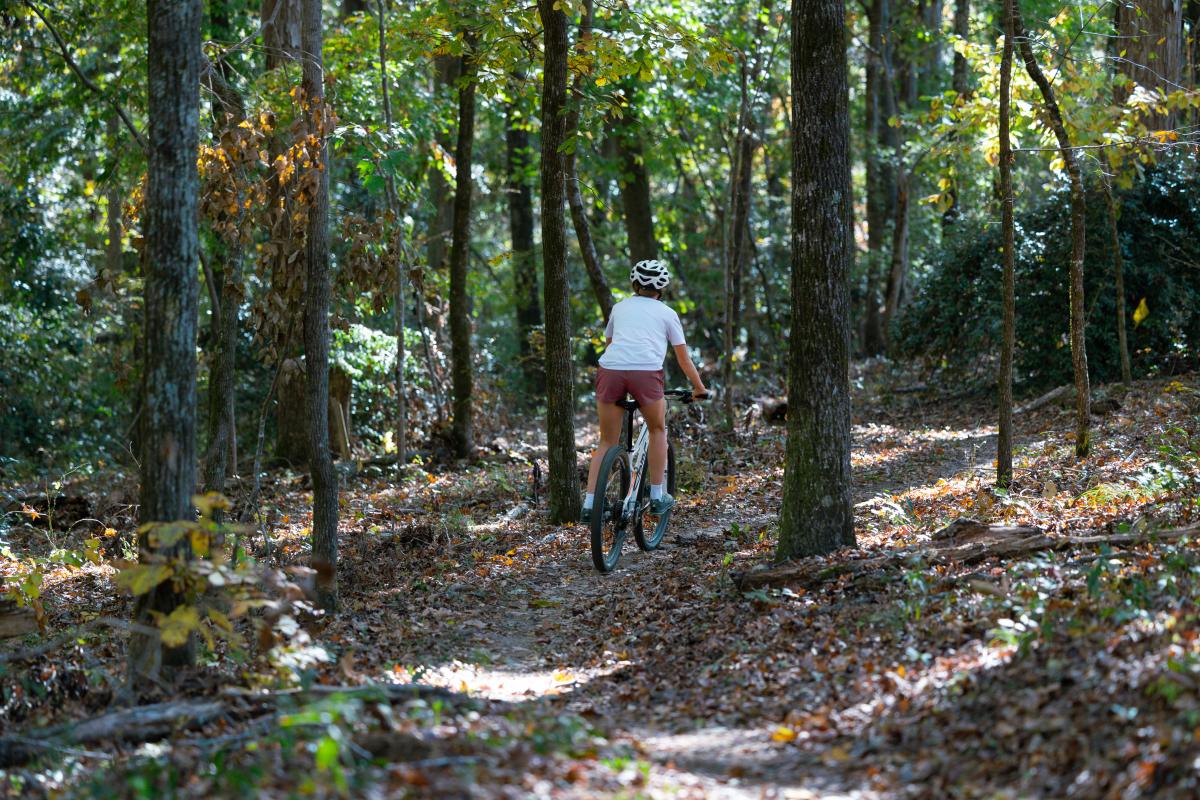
(1049, 397)
(16, 621)
(159, 720)
(978, 543)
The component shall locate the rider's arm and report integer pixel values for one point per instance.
(689, 369)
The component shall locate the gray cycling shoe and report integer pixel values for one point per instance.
(662, 505)
(585, 515)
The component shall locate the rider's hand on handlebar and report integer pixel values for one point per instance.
(700, 393)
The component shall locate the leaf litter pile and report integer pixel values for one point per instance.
(1045, 644)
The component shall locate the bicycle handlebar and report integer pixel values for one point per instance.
(685, 395)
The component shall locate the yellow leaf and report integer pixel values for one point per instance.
(783, 734)
(141, 578)
(176, 627)
(1141, 312)
(200, 540)
(562, 677)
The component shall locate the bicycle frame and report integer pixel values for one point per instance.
(637, 461)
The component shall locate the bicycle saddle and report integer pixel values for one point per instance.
(628, 403)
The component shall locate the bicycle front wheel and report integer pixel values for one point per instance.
(648, 529)
(608, 523)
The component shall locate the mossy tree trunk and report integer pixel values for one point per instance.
(817, 516)
(168, 468)
(563, 483)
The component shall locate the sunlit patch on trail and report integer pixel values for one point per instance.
(506, 683)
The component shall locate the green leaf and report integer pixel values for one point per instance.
(327, 753)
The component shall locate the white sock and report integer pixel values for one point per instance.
(656, 491)
(588, 499)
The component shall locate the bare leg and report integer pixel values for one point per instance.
(655, 415)
(611, 416)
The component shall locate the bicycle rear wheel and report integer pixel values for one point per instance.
(648, 529)
(608, 524)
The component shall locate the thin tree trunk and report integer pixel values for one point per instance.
(445, 75)
(316, 324)
(168, 468)
(635, 184)
(229, 112)
(398, 253)
(873, 342)
(583, 231)
(562, 490)
(817, 516)
(960, 82)
(1083, 398)
(1119, 269)
(1004, 446)
(112, 247)
(898, 272)
(520, 224)
(460, 308)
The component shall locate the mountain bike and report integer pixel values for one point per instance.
(623, 493)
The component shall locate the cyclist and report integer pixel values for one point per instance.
(639, 329)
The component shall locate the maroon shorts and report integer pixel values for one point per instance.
(646, 386)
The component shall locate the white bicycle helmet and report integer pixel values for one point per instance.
(650, 273)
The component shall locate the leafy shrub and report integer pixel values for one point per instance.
(955, 319)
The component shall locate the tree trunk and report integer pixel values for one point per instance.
(898, 272)
(399, 252)
(1151, 34)
(1078, 238)
(961, 78)
(874, 122)
(1004, 446)
(229, 112)
(1118, 268)
(446, 71)
(562, 489)
(960, 82)
(316, 324)
(635, 184)
(281, 31)
(168, 469)
(524, 264)
(817, 516)
(460, 250)
(112, 197)
(583, 231)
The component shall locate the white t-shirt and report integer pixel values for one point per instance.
(640, 328)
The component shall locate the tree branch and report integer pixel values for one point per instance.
(66, 54)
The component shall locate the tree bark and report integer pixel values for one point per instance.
(960, 83)
(562, 489)
(229, 112)
(520, 225)
(635, 183)
(1151, 36)
(460, 250)
(1004, 446)
(817, 516)
(898, 271)
(282, 31)
(316, 324)
(168, 469)
(1078, 237)
(738, 240)
(1119, 270)
(583, 230)
(874, 122)
(446, 70)
(399, 252)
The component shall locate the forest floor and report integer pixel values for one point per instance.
(1062, 672)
